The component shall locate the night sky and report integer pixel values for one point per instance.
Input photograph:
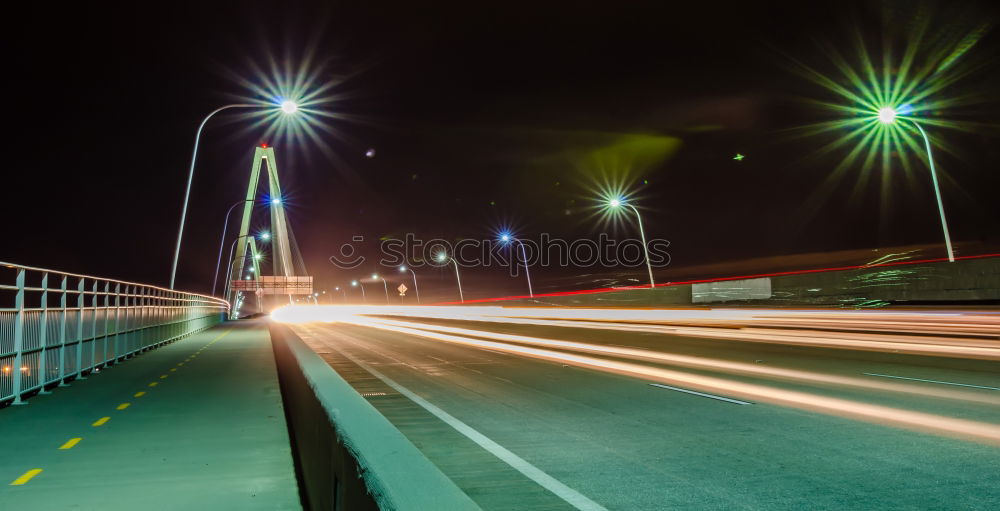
(480, 115)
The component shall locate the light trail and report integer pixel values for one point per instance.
(767, 326)
(962, 428)
(897, 332)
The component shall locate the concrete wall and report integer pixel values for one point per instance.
(964, 282)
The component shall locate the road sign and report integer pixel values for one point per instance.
(402, 289)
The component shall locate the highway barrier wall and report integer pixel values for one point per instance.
(967, 281)
(348, 455)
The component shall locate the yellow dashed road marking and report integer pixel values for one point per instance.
(101, 421)
(163, 376)
(123, 406)
(172, 369)
(70, 443)
(26, 477)
(139, 394)
(155, 383)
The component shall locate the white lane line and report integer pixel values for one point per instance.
(573, 497)
(931, 381)
(713, 396)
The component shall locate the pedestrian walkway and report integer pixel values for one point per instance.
(194, 425)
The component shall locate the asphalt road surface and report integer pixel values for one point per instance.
(684, 409)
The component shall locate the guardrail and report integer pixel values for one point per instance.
(55, 334)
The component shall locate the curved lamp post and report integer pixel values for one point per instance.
(355, 283)
(404, 269)
(222, 241)
(375, 276)
(888, 115)
(443, 258)
(618, 202)
(288, 107)
(507, 239)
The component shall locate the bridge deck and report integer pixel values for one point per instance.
(197, 424)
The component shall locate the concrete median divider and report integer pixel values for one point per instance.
(349, 456)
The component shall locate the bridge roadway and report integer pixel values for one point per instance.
(792, 426)
(196, 424)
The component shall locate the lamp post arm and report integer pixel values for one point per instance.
(416, 289)
(645, 247)
(222, 242)
(937, 192)
(527, 272)
(187, 191)
(461, 297)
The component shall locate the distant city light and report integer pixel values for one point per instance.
(370, 153)
(289, 107)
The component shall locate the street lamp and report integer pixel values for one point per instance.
(232, 247)
(288, 107)
(619, 202)
(442, 257)
(404, 269)
(384, 284)
(342, 292)
(222, 241)
(888, 116)
(508, 238)
(355, 283)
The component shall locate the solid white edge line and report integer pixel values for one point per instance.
(573, 497)
(712, 396)
(931, 381)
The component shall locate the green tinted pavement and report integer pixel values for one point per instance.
(197, 424)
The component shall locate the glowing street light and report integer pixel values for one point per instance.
(508, 238)
(404, 269)
(888, 116)
(443, 258)
(619, 202)
(288, 107)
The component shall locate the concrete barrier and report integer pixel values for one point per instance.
(348, 456)
(968, 281)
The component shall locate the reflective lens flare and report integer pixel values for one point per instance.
(874, 99)
(298, 97)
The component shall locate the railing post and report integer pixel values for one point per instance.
(81, 304)
(43, 334)
(93, 327)
(107, 309)
(118, 323)
(18, 336)
(62, 330)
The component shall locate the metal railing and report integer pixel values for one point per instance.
(55, 334)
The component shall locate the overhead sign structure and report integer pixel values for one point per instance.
(267, 285)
